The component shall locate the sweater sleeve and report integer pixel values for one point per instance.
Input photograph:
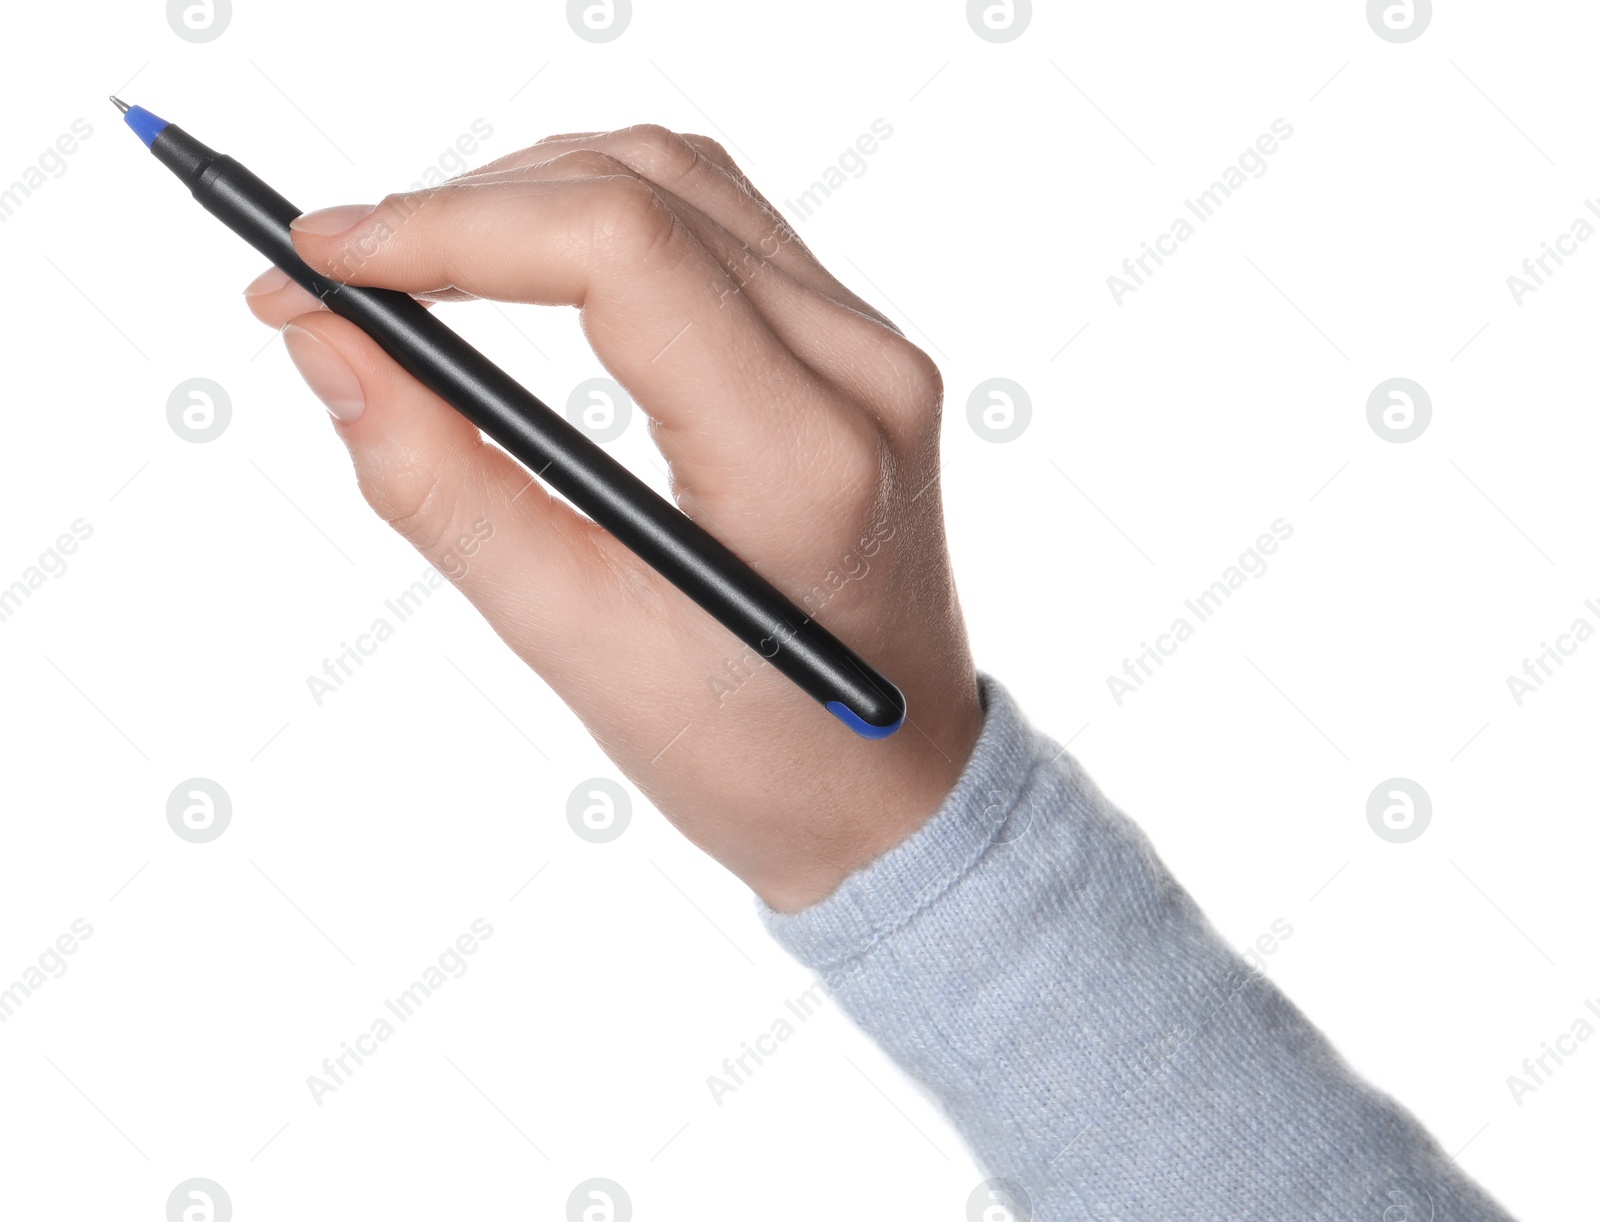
(1027, 957)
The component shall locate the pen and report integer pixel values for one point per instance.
(662, 535)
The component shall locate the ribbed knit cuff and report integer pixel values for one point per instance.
(887, 893)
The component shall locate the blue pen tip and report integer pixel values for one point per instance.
(859, 724)
(145, 125)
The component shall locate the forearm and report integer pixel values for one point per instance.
(1027, 956)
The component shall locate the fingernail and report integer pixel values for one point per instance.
(332, 220)
(326, 372)
(269, 281)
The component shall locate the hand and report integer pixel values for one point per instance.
(801, 429)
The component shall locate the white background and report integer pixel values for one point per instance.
(1228, 392)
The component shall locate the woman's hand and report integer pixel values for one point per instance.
(801, 429)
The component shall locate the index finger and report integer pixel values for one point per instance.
(660, 310)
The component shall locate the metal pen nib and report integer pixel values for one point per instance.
(120, 104)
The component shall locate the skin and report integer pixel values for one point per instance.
(800, 427)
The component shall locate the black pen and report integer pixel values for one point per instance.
(658, 532)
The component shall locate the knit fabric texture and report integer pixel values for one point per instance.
(1027, 958)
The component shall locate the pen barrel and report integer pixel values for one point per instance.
(557, 452)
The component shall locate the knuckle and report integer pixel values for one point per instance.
(712, 150)
(633, 225)
(913, 384)
(415, 495)
(659, 151)
(590, 163)
(398, 207)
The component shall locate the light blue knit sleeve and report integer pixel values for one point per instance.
(1027, 957)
